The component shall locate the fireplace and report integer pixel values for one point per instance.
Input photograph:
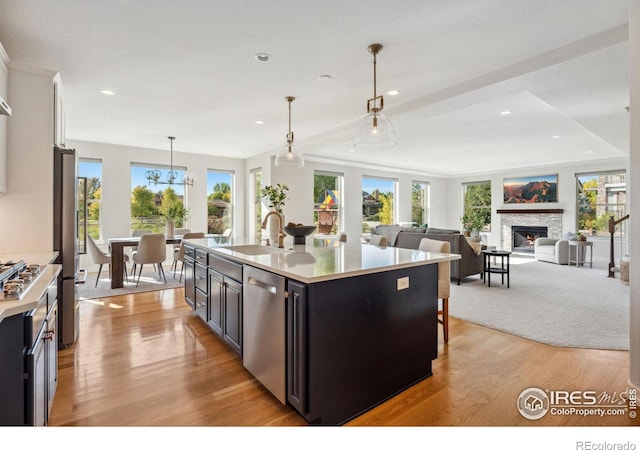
(523, 237)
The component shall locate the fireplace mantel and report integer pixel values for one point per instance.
(530, 211)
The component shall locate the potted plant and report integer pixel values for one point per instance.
(175, 214)
(275, 195)
(472, 222)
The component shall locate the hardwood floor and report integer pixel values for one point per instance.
(145, 360)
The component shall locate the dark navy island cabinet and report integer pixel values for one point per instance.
(29, 362)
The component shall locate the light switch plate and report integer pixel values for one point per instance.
(402, 283)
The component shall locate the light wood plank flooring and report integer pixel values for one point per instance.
(145, 360)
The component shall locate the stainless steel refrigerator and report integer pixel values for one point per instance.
(65, 241)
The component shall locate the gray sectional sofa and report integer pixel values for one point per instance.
(410, 237)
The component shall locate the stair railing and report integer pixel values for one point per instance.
(612, 229)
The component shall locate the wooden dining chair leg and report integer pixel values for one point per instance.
(445, 318)
(98, 277)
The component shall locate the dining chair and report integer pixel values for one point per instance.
(380, 241)
(102, 258)
(179, 255)
(137, 233)
(226, 233)
(152, 249)
(444, 279)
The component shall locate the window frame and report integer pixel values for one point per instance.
(487, 228)
(340, 203)
(426, 215)
(619, 186)
(88, 201)
(394, 205)
(231, 205)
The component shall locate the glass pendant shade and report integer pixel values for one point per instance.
(375, 132)
(289, 156)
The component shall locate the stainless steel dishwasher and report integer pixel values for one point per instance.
(263, 329)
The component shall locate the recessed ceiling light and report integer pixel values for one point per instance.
(260, 122)
(107, 92)
(589, 151)
(393, 92)
(505, 113)
(325, 78)
(263, 57)
(555, 136)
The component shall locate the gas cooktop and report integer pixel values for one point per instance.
(15, 278)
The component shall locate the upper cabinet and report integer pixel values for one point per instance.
(4, 84)
(58, 113)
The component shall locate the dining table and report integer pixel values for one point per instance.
(116, 248)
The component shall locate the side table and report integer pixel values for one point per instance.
(502, 269)
(581, 252)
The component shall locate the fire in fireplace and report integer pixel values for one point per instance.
(523, 238)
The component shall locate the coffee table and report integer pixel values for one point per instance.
(502, 269)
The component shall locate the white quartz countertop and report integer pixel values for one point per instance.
(29, 298)
(321, 259)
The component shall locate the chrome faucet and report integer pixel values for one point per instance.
(281, 233)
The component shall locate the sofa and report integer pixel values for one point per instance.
(555, 251)
(410, 237)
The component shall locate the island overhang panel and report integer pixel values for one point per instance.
(353, 343)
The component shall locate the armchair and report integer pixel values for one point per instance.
(552, 250)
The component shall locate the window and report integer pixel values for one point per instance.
(601, 195)
(89, 195)
(378, 202)
(256, 186)
(420, 203)
(477, 206)
(219, 201)
(151, 204)
(327, 203)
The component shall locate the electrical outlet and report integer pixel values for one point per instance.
(402, 283)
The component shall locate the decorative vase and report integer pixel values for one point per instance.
(274, 229)
(171, 229)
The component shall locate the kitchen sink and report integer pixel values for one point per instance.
(255, 249)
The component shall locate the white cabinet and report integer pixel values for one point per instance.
(4, 83)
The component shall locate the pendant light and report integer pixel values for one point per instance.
(153, 176)
(288, 155)
(375, 131)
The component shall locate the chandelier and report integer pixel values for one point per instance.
(153, 176)
(288, 155)
(375, 130)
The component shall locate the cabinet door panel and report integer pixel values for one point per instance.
(233, 315)
(216, 293)
(296, 347)
(52, 356)
(189, 284)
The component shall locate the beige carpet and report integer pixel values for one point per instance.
(148, 282)
(558, 305)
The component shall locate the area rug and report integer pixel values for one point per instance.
(558, 305)
(148, 282)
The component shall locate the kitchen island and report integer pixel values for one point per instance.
(330, 328)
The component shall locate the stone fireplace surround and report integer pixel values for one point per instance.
(550, 218)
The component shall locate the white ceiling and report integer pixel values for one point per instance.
(187, 69)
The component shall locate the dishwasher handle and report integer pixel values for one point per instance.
(268, 287)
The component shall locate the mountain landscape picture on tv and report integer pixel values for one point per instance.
(537, 189)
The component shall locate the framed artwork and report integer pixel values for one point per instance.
(536, 189)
